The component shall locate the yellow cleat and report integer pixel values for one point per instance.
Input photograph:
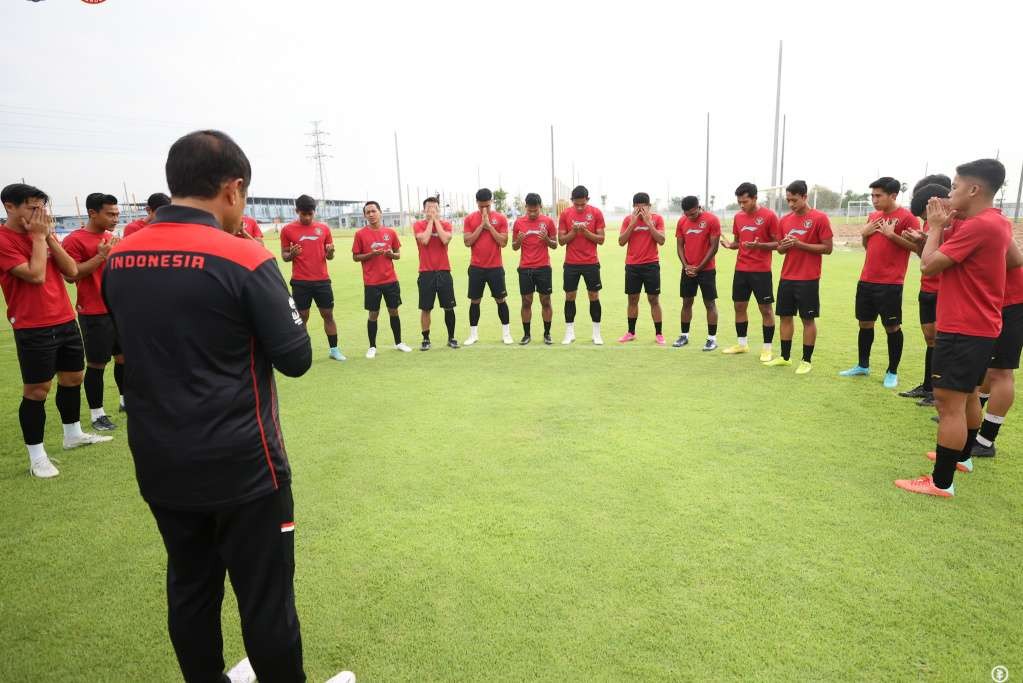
(804, 368)
(766, 355)
(732, 350)
(778, 362)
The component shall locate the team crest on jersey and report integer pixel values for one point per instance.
(807, 223)
(318, 231)
(759, 220)
(589, 217)
(703, 224)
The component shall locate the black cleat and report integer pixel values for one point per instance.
(425, 346)
(983, 451)
(927, 401)
(683, 340)
(452, 343)
(103, 424)
(525, 340)
(916, 392)
(547, 338)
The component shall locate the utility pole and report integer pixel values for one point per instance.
(397, 165)
(318, 145)
(554, 188)
(706, 170)
(777, 115)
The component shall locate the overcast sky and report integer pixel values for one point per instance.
(94, 94)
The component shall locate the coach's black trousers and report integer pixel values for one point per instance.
(247, 543)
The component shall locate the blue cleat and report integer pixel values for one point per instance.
(891, 380)
(855, 372)
(335, 354)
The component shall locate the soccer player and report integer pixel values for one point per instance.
(755, 233)
(927, 298)
(486, 233)
(696, 239)
(251, 229)
(806, 237)
(32, 268)
(970, 243)
(580, 230)
(308, 245)
(155, 201)
(535, 235)
(435, 284)
(205, 318)
(89, 247)
(643, 232)
(377, 248)
(879, 290)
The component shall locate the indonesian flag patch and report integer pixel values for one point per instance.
(287, 527)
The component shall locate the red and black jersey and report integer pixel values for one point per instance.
(205, 318)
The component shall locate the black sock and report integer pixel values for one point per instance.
(895, 342)
(396, 328)
(332, 341)
(864, 342)
(94, 387)
(786, 348)
(971, 438)
(989, 429)
(119, 377)
(595, 311)
(546, 327)
(742, 329)
(983, 401)
(449, 321)
(928, 355)
(570, 311)
(712, 330)
(371, 330)
(474, 315)
(807, 352)
(32, 416)
(525, 329)
(426, 335)
(944, 466)
(632, 325)
(768, 334)
(657, 327)
(503, 314)
(685, 328)
(69, 404)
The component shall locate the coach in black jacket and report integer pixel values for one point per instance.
(204, 318)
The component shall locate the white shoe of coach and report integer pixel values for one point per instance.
(42, 468)
(242, 672)
(343, 677)
(84, 439)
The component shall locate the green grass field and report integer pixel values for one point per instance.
(563, 513)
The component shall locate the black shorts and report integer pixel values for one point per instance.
(390, 293)
(760, 285)
(960, 361)
(799, 296)
(538, 280)
(705, 280)
(643, 276)
(1005, 355)
(436, 285)
(45, 351)
(928, 307)
(304, 292)
(873, 300)
(491, 277)
(590, 274)
(100, 338)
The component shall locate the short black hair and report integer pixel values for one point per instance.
(690, 202)
(484, 195)
(796, 187)
(580, 192)
(533, 199)
(746, 188)
(97, 200)
(200, 162)
(933, 179)
(887, 184)
(429, 200)
(156, 200)
(369, 204)
(990, 171)
(19, 193)
(305, 203)
(918, 204)
(640, 198)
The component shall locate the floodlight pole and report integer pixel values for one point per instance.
(397, 165)
(1019, 196)
(777, 114)
(554, 187)
(784, 130)
(706, 169)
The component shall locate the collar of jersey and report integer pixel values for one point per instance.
(174, 213)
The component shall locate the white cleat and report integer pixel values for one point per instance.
(507, 339)
(242, 672)
(43, 469)
(471, 340)
(371, 352)
(403, 347)
(598, 340)
(343, 677)
(84, 439)
(569, 338)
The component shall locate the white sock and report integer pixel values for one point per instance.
(712, 337)
(767, 347)
(743, 341)
(36, 452)
(72, 430)
(96, 413)
(596, 329)
(472, 331)
(569, 328)
(122, 400)
(685, 335)
(506, 330)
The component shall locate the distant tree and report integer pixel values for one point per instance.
(520, 206)
(732, 207)
(500, 200)
(825, 198)
(849, 196)
(676, 204)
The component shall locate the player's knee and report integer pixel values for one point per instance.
(96, 366)
(70, 379)
(892, 329)
(866, 324)
(37, 392)
(592, 296)
(119, 359)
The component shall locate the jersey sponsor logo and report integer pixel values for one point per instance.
(310, 237)
(796, 231)
(380, 245)
(748, 228)
(122, 261)
(695, 231)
